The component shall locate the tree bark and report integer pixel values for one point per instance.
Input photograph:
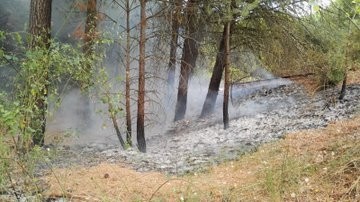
(188, 61)
(40, 30)
(40, 23)
(343, 87)
(90, 27)
(127, 79)
(227, 77)
(115, 124)
(140, 129)
(213, 91)
(88, 50)
(174, 42)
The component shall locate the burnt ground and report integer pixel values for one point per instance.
(259, 116)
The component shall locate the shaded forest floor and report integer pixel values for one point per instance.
(307, 165)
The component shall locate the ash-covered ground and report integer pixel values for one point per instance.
(260, 115)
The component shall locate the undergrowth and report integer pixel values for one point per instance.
(331, 174)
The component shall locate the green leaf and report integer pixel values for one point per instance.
(316, 8)
(7, 57)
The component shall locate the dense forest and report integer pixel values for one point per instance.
(137, 68)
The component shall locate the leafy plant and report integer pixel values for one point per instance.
(41, 73)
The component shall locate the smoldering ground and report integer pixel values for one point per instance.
(190, 144)
(160, 106)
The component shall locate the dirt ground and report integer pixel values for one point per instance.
(244, 179)
(233, 180)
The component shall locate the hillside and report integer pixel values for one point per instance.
(307, 165)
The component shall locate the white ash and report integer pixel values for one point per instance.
(190, 145)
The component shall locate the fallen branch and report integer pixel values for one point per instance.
(275, 78)
(298, 75)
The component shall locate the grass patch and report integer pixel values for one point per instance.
(314, 165)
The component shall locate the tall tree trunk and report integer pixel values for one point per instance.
(347, 48)
(174, 42)
(227, 77)
(127, 79)
(40, 28)
(88, 49)
(140, 129)
(40, 23)
(188, 61)
(210, 100)
(213, 91)
(90, 27)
